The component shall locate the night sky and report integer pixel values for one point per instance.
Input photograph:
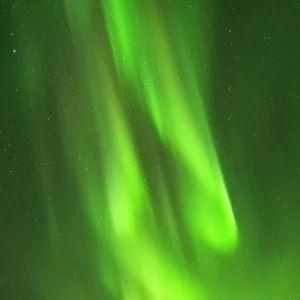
(149, 150)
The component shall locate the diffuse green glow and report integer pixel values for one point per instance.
(117, 203)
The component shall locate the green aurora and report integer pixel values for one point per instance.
(135, 202)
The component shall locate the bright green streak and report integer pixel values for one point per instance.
(150, 69)
(207, 206)
(118, 204)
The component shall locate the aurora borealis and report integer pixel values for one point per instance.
(149, 150)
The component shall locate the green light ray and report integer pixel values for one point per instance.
(112, 182)
(188, 137)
